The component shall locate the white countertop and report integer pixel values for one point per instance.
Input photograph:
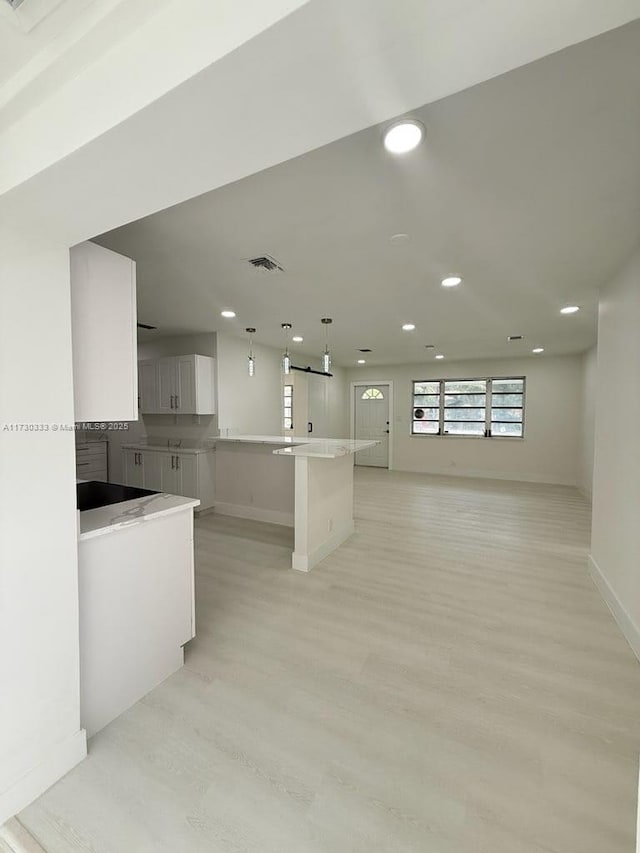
(109, 519)
(166, 449)
(265, 439)
(327, 448)
(321, 448)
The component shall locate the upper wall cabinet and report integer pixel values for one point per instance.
(103, 316)
(177, 385)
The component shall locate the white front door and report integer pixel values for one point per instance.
(372, 422)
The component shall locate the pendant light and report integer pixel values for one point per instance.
(326, 355)
(251, 362)
(286, 358)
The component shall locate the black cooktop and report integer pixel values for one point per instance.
(93, 494)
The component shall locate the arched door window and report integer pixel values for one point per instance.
(372, 394)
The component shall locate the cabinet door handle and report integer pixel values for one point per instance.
(178, 462)
(171, 401)
(172, 458)
(177, 404)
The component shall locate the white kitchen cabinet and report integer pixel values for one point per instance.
(133, 468)
(104, 340)
(192, 394)
(91, 460)
(142, 468)
(176, 385)
(166, 385)
(188, 467)
(151, 464)
(169, 474)
(171, 471)
(178, 474)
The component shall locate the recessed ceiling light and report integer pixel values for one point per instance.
(297, 339)
(361, 361)
(408, 327)
(228, 313)
(403, 136)
(439, 356)
(570, 309)
(451, 281)
(538, 349)
(399, 239)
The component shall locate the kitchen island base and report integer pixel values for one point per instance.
(315, 497)
(323, 508)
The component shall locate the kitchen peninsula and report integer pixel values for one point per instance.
(313, 494)
(136, 591)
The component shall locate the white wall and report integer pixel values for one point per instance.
(615, 538)
(40, 737)
(549, 452)
(248, 404)
(588, 418)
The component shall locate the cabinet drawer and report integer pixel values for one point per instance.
(91, 451)
(89, 471)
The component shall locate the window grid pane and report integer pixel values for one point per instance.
(287, 407)
(473, 407)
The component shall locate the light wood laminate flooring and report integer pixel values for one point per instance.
(449, 681)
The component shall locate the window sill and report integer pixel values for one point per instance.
(466, 437)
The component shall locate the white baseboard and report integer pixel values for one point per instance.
(305, 562)
(625, 622)
(475, 474)
(62, 758)
(255, 513)
(586, 494)
(16, 838)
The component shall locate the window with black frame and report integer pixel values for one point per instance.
(465, 407)
(481, 408)
(507, 407)
(287, 406)
(426, 408)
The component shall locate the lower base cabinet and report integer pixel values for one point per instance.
(133, 468)
(187, 474)
(178, 474)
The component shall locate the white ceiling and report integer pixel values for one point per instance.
(528, 186)
(46, 43)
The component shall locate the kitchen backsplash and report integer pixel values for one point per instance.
(159, 428)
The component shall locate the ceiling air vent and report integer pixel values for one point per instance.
(365, 349)
(266, 263)
(515, 337)
(145, 326)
